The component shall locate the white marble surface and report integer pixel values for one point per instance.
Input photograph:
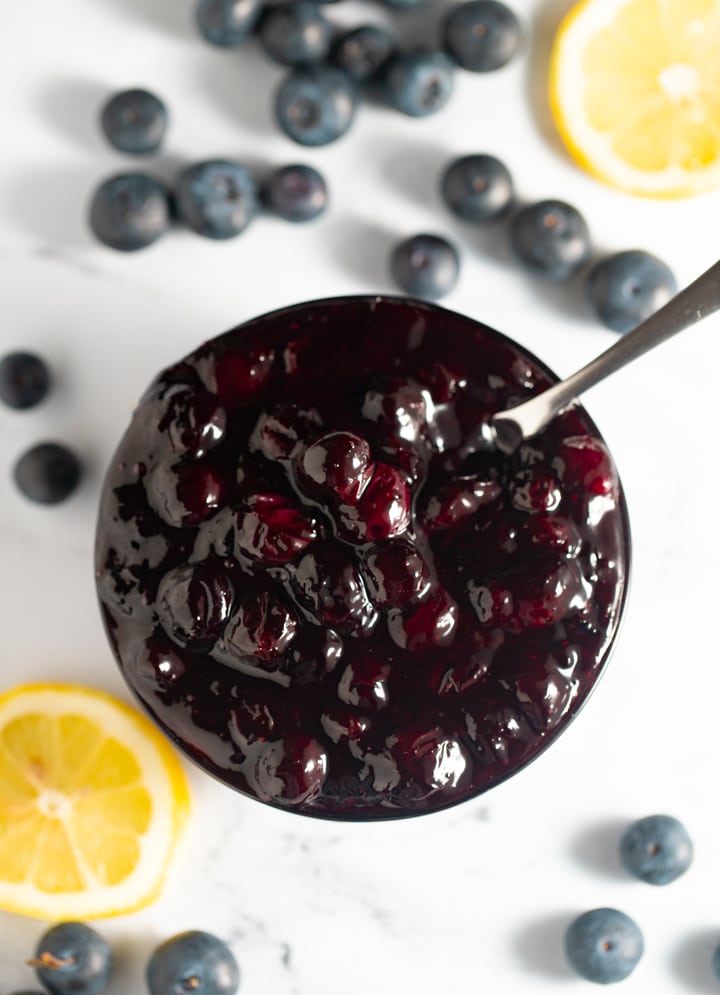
(475, 899)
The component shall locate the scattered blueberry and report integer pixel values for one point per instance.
(478, 188)
(482, 35)
(134, 121)
(315, 106)
(604, 945)
(193, 962)
(129, 211)
(628, 287)
(363, 52)
(551, 239)
(656, 849)
(716, 962)
(425, 266)
(406, 4)
(227, 22)
(295, 33)
(24, 380)
(419, 82)
(216, 198)
(296, 192)
(72, 959)
(47, 473)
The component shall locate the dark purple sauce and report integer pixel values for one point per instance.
(323, 594)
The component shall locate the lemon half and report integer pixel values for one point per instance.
(635, 93)
(92, 802)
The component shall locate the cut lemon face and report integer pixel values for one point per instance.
(635, 93)
(92, 801)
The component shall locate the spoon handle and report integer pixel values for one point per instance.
(700, 299)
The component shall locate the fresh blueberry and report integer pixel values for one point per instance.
(604, 945)
(217, 198)
(47, 473)
(363, 52)
(134, 121)
(628, 287)
(481, 35)
(130, 211)
(406, 4)
(477, 188)
(716, 962)
(72, 959)
(193, 962)
(24, 380)
(227, 22)
(296, 192)
(419, 82)
(551, 239)
(295, 33)
(656, 849)
(425, 266)
(315, 106)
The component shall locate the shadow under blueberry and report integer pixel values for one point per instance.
(52, 202)
(241, 83)
(597, 847)
(540, 947)
(414, 170)
(169, 16)
(541, 31)
(691, 962)
(363, 249)
(72, 107)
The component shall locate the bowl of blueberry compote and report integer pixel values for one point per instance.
(325, 593)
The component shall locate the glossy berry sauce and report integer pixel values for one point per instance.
(325, 593)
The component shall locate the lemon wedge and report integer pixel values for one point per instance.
(92, 803)
(635, 93)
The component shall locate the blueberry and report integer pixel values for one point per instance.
(477, 188)
(628, 287)
(72, 959)
(129, 211)
(227, 22)
(193, 603)
(193, 962)
(604, 945)
(363, 52)
(406, 4)
(134, 121)
(296, 193)
(551, 239)
(47, 473)
(656, 849)
(217, 198)
(425, 266)
(24, 380)
(482, 35)
(419, 82)
(716, 962)
(315, 106)
(295, 33)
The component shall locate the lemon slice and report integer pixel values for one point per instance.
(92, 801)
(635, 93)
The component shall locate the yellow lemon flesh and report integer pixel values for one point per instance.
(92, 802)
(635, 93)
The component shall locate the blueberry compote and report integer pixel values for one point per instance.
(319, 588)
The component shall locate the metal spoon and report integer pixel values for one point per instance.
(507, 429)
